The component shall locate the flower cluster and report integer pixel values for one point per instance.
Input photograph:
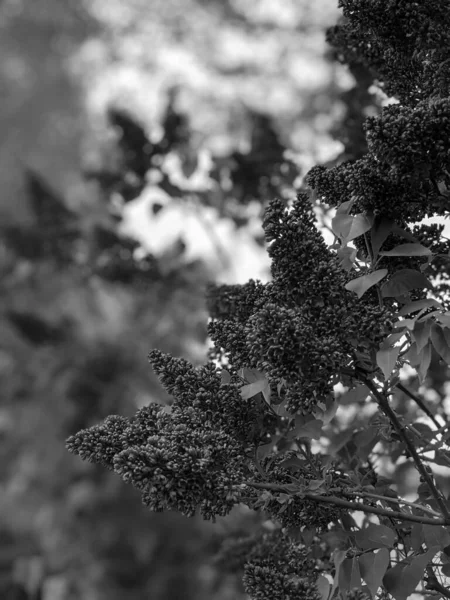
(274, 567)
(405, 44)
(279, 569)
(273, 550)
(295, 511)
(190, 457)
(376, 186)
(408, 138)
(302, 327)
(264, 583)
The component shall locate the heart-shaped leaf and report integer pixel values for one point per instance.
(403, 281)
(375, 536)
(373, 567)
(349, 227)
(436, 538)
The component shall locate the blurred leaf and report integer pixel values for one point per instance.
(323, 586)
(35, 329)
(310, 430)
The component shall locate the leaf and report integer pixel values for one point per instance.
(436, 538)
(424, 362)
(346, 256)
(408, 323)
(251, 375)
(315, 484)
(403, 281)
(251, 389)
(373, 567)
(349, 227)
(375, 536)
(365, 437)
(440, 342)
(341, 224)
(417, 536)
(310, 430)
(225, 377)
(408, 250)
(421, 334)
(349, 575)
(402, 580)
(361, 224)
(323, 585)
(258, 380)
(382, 227)
(413, 573)
(338, 559)
(391, 339)
(393, 582)
(418, 305)
(443, 318)
(345, 207)
(354, 396)
(403, 233)
(386, 360)
(362, 284)
(424, 430)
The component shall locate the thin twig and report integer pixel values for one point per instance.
(430, 511)
(386, 408)
(352, 505)
(419, 403)
(433, 583)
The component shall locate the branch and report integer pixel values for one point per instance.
(430, 511)
(384, 404)
(419, 403)
(433, 584)
(352, 505)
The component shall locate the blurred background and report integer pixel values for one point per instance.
(139, 141)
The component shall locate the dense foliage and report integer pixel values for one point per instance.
(304, 412)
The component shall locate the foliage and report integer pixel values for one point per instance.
(305, 415)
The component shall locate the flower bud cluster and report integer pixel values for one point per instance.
(295, 511)
(277, 568)
(297, 329)
(410, 138)
(405, 44)
(192, 457)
